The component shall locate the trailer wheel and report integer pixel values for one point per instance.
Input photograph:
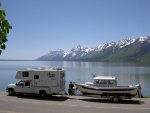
(42, 94)
(115, 99)
(11, 92)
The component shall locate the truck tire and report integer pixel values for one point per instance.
(11, 92)
(115, 99)
(42, 94)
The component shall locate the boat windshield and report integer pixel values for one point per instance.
(97, 81)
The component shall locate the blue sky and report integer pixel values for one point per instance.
(40, 26)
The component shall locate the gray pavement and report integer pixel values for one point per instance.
(70, 104)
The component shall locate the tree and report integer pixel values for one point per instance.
(4, 29)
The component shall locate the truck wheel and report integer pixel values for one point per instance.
(115, 99)
(43, 94)
(11, 92)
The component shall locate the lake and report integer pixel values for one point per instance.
(126, 73)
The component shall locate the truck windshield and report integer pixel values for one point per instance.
(20, 83)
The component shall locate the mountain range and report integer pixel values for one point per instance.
(128, 49)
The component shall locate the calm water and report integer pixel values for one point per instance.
(126, 73)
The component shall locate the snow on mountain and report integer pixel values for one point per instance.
(74, 53)
(104, 46)
(116, 45)
(124, 42)
(144, 38)
(77, 52)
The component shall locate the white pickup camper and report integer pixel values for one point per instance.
(42, 81)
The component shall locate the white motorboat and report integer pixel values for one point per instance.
(107, 86)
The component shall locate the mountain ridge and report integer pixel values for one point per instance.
(127, 49)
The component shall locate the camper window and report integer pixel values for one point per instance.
(25, 74)
(36, 76)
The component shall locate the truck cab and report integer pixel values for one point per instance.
(23, 86)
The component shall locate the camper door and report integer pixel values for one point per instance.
(38, 78)
(52, 76)
(62, 80)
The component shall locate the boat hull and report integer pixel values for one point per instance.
(119, 90)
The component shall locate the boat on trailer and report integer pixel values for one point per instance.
(106, 86)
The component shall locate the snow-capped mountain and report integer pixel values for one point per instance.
(116, 45)
(77, 52)
(73, 54)
(102, 52)
(53, 55)
(124, 42)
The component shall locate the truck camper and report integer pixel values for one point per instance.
(42, 81)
